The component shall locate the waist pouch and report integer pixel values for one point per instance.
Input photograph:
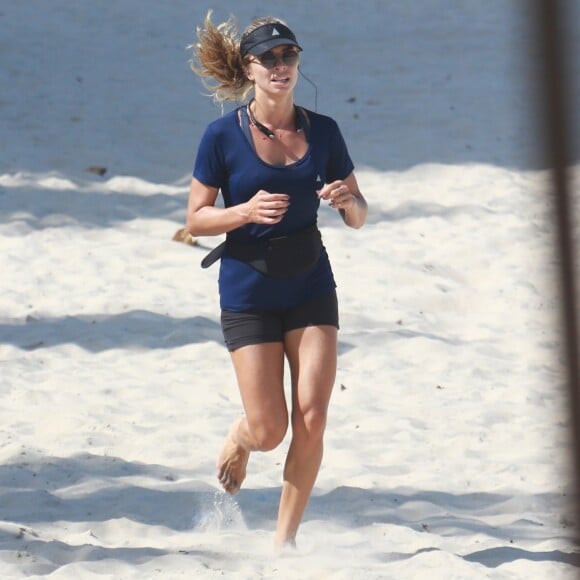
(281, 257)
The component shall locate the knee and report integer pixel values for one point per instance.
(311, 422)
(268, 436)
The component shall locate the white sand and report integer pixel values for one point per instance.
(446, 446)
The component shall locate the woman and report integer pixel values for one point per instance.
(273, 163)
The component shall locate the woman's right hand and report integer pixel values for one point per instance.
(266, 208)
(204, 219)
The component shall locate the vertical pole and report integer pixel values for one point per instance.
(555, 93)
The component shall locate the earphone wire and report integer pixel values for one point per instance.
(315, 89)
(262, 128)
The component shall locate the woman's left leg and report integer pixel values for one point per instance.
(312, 356)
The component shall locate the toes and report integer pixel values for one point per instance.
(231, 487)
(229, 483)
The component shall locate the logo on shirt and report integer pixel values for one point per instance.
(318, 179)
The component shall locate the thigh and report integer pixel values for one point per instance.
(260, 373)
(312, 357)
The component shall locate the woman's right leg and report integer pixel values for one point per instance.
(260, 373)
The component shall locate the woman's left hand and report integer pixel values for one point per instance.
(339, 195)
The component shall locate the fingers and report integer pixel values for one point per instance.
(338, 194)
(343, 201)
(269, 208)
(273, 211)
(334, 191)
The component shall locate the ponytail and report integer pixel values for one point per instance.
(216, 59)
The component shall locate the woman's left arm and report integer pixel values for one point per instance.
(345, 196)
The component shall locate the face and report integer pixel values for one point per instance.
(276, 69)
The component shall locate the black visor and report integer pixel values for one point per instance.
(266, 37)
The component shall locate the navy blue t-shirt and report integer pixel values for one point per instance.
(226, 160)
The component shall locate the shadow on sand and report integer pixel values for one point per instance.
(99, 332)
(36, 491)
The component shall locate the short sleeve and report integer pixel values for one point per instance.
(209, 166)
(339, 164)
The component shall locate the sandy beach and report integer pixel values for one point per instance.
(446, 449)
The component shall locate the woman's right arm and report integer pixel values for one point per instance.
(204, 219)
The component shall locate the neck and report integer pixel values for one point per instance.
(269, 131)
(276, 115)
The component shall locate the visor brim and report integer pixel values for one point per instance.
(271, 43)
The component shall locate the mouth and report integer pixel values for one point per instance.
(283, 80)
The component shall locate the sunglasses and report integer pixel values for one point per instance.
(269, 59)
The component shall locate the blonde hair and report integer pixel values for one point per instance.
(217, 59)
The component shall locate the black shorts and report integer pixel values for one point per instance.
(259, 326)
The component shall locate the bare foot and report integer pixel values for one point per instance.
(284, 547)
(232, 461)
